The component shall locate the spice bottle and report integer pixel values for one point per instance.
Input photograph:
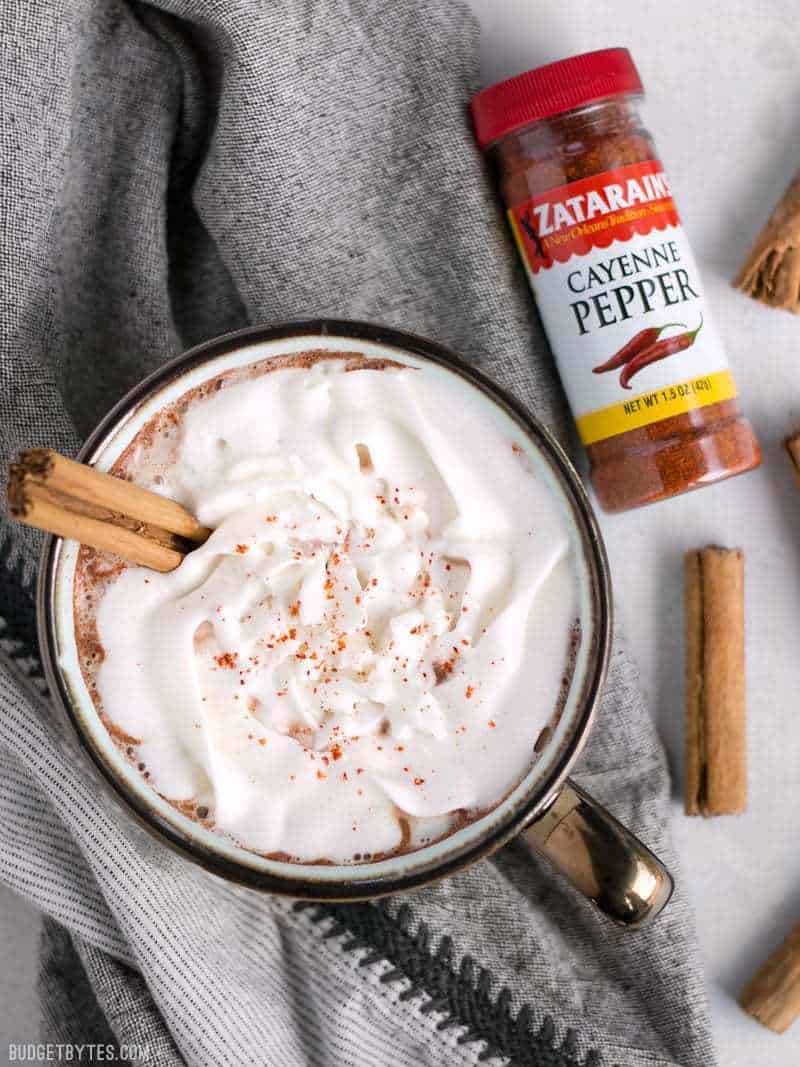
(614, 278)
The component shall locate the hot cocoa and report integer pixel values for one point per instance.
(366, 651)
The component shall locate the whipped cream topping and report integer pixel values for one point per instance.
(363, 654)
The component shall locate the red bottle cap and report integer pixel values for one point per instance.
(550, 90)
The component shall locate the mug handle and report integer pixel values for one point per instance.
(601, 858)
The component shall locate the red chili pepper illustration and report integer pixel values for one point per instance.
(637, 344)
(668, 347)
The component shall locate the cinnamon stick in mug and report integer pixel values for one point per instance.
(716, 741)
(50, 492)
(67, 477)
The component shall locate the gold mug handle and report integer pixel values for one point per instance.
(601, 858)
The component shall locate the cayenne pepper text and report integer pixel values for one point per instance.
(592, 213)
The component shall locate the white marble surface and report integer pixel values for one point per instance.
(723, 81)
(723, 102)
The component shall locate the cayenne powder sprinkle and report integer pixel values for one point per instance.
(615, 281)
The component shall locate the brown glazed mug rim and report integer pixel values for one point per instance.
(361, 885)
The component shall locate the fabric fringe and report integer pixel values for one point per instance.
(462, 993)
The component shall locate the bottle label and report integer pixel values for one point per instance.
(619, 293)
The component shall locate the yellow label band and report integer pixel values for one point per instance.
(662, 403)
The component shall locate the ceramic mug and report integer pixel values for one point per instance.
(587, 845)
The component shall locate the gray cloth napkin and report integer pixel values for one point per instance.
(171, 171)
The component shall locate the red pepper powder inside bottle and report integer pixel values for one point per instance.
(614, 278)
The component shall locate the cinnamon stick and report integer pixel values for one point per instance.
(105, 536)
(44, 467)
(771, 272)
(77, 506)
(716, 742)
(772, 996)
(53, 493)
